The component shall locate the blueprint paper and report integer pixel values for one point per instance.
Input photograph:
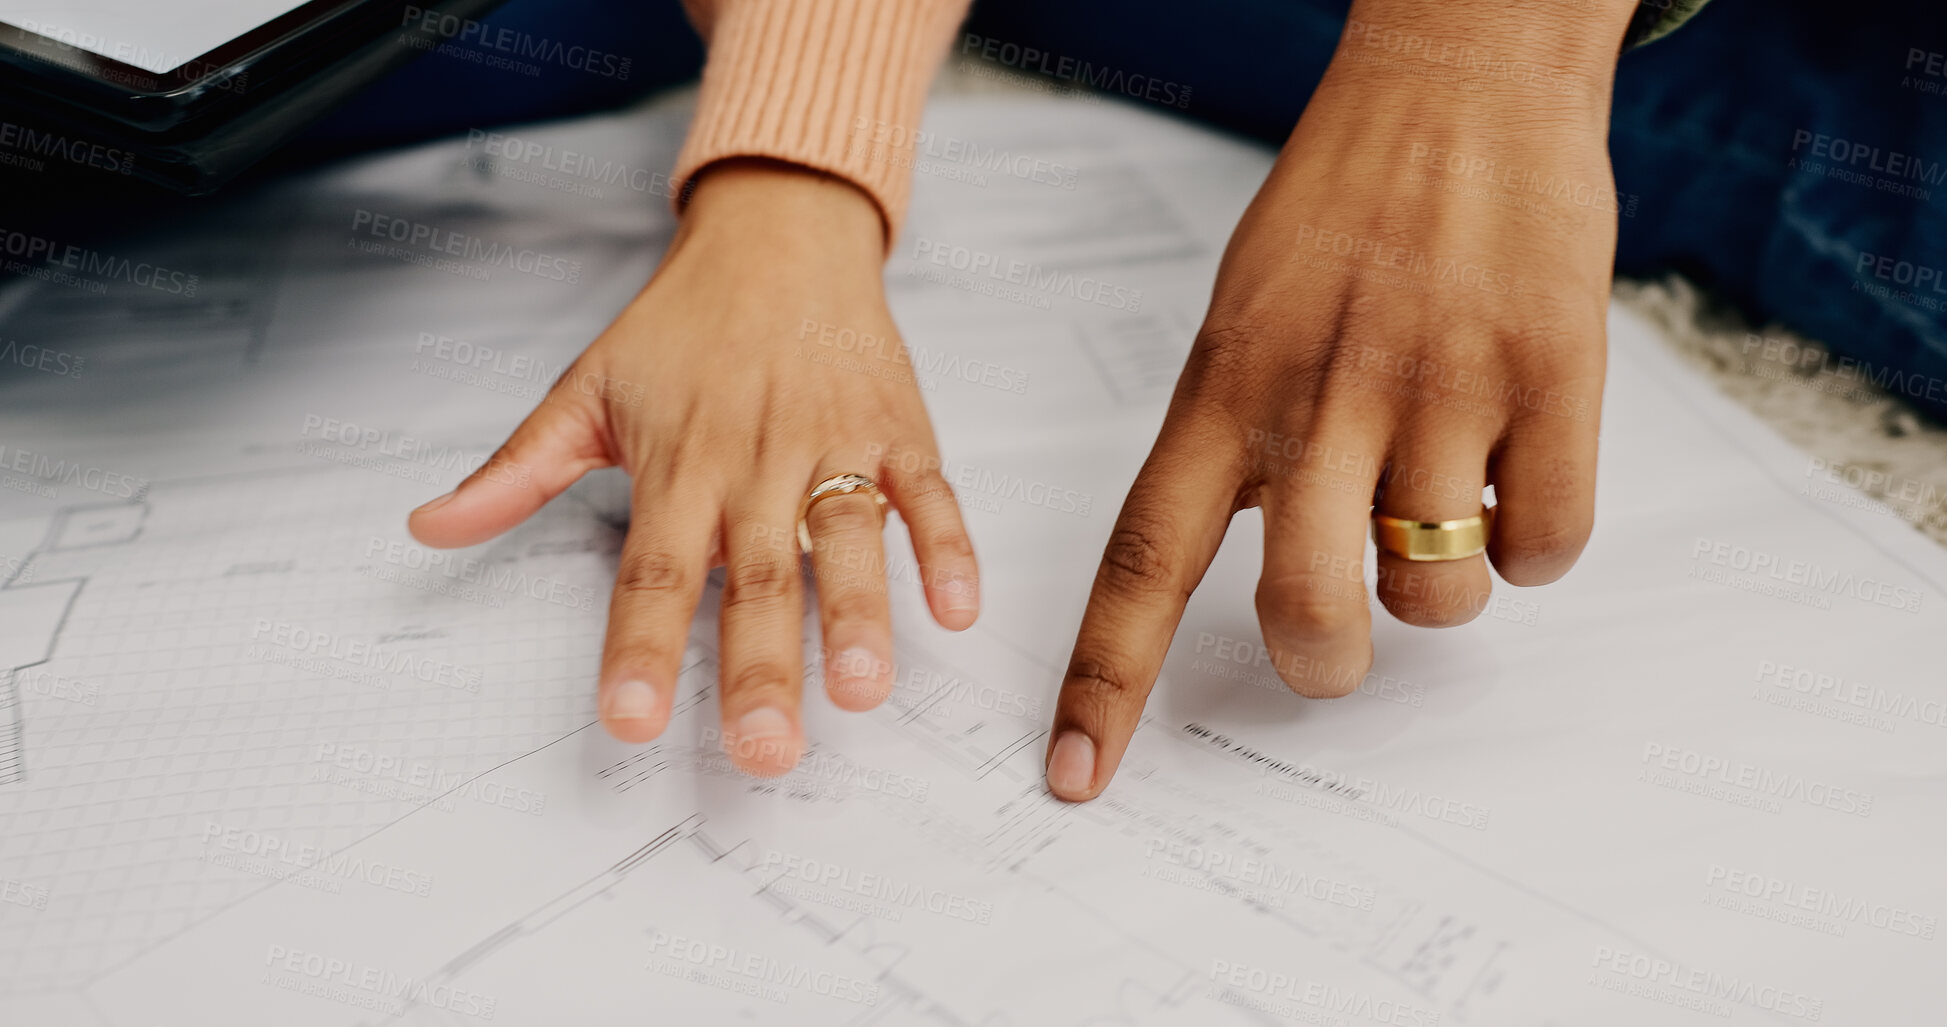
(268, 762)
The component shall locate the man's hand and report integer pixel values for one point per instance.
(1412, 308)
(759, 361)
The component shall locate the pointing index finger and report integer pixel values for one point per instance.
(1163, 541)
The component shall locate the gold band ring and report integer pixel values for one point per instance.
(1432, 541)
(836, 485)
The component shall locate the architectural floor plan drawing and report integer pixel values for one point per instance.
(32, 612)
(265, 760)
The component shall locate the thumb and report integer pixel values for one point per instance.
(563, 439)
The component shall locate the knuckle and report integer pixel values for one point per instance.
(853, 605)
(845, 515)
(759, 580)
(930, 486)
(1233, 340)
(1439, 596)
(843, 575)
(637, 651)
(1311, 607)
(1094, 688)
(1552, 346)
(1141, 557)
(1227, 352)
(760, 682)
(950, 544)
(654, 575)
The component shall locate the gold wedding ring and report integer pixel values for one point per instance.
(836, 485)
(1432, 541)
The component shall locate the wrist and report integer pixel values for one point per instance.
(788, 209)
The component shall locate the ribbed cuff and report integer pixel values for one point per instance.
(822, 83)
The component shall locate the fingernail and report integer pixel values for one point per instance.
(763, 722)
(437, 503)
(1071, 767)
(632, 700)
(856, 678)
(765, 740)
(960, 595)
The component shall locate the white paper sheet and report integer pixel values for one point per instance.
(267, 764)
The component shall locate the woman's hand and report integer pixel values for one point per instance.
(759, 361)
(1412, 308)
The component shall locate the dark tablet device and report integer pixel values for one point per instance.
(187, 93)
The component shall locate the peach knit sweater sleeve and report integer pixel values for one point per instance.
(822, 83)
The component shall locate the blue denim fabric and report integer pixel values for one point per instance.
(441, 94)
(1761, 136)
(1716, 133)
